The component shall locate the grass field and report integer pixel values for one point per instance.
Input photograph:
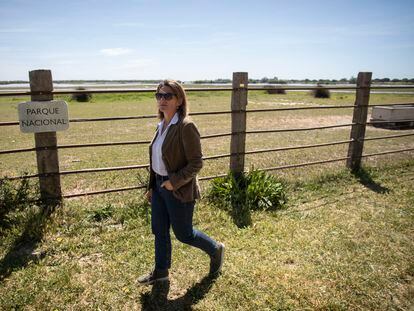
(343, 242)
(141, 104)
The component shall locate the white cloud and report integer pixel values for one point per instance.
(115, 51)
(16, 30)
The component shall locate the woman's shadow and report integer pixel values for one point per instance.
(157, 299)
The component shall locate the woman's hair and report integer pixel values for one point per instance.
(181, 96)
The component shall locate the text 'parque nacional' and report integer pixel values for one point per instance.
(43, 116)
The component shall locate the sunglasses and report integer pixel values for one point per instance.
(166, 96)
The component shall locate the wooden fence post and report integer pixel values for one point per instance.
(359, 119)
(47, 159)
(238, 122)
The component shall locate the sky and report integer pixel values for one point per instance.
(190, 40)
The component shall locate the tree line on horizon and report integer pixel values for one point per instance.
(273, 80)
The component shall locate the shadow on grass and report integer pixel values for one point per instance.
(158, 298)
(365, 178)
(23, 249)
(241, 214)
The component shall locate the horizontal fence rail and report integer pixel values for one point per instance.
(206, 178)
(299, 147)
(107, 169)
(68, 196)
(74, 195)
(386, 152)
(387, 137)
(147, 142)
(298, 129)
(104, 91)
(275, 168)
(333, 160)
(388, 122)
(68, 91)
(13, 123)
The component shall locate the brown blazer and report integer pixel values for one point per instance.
(182, 155)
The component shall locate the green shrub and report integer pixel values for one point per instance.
(81, 97)
(264, 191)
(321, 92)
(276, 91)
(256, 189)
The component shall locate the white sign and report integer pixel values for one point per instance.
(45, 116)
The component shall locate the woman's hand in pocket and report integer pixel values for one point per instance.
(167, 185)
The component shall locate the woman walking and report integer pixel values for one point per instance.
(175, 160)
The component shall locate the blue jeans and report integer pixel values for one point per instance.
(168, 211)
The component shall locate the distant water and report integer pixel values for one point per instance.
(26, 86)
(131, 85)
(74, 85)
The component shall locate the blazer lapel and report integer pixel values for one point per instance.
(169, 138)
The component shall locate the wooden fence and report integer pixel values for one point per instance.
(46, 145)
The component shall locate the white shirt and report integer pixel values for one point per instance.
(158, 165)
